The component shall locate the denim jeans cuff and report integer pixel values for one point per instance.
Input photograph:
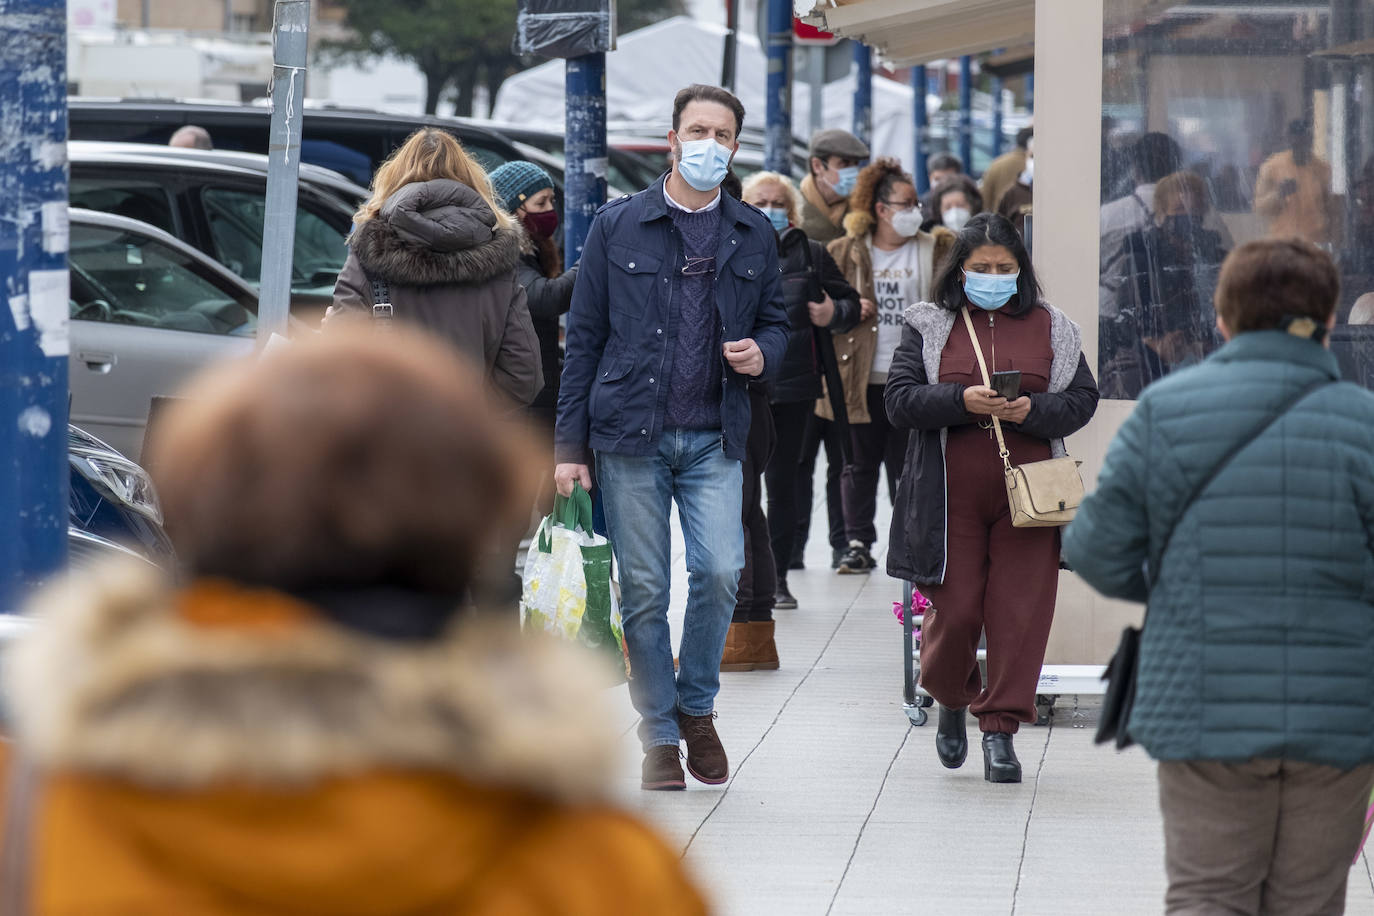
(661, 742)
(692, 712)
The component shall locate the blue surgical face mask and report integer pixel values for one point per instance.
(990, 291)
(847, 177)
(703, 163)
(777, 216)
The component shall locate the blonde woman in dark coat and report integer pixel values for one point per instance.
(445, 253)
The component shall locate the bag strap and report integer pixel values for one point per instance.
(987, 380)
(1231, 453)
(15, 844)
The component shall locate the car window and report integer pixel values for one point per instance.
(147, 201)
(487, 157)
(236, 218)
(125, 277)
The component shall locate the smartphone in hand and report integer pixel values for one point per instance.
(1007, 383)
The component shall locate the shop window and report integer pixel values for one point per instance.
(1222, 125)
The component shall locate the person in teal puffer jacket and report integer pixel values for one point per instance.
(1256, 680)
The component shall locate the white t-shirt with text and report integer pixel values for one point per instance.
(896, 282)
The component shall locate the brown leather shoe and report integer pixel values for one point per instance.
(763, 652)
(706, 759)
(662, 769)
(737, 656)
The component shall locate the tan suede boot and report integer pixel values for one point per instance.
(737, 656)
(763, 652)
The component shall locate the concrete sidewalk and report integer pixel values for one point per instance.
(837, 806)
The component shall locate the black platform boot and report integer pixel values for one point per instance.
(951, 740)
(999, 758)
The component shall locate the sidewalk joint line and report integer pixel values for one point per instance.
(781, 709)
(1025, 836)
(877, 796)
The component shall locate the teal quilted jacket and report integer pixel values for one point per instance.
(1260, 633)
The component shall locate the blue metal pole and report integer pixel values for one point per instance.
(966, 112)
(777, 140)
(863, 93)
(996, 117)
(33, 278)
(584, 175)
(919, 86)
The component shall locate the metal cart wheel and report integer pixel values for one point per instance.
(1044, 708)
(916, 714)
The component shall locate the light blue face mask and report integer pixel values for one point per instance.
(848, 177)
(777, 216)
(703, 163)
(990, 291)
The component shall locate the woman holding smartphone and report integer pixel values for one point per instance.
(951, 526)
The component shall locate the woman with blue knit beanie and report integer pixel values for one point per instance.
(526, 191)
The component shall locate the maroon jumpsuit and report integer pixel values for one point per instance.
(998, 579)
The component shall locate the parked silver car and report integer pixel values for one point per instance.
(215, 201)
(147, 312)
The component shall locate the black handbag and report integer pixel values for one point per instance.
(1119, 698)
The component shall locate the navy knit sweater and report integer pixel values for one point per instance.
(694, 385)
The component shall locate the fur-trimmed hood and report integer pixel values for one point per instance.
(858, 223)
(436, 232)
(216, 684)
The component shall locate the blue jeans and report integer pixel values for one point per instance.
(637, 492)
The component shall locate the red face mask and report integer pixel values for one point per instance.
(541, 225)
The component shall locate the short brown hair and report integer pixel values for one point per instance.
(1264, 281)
(354, 459)
(1185, 186)
(699, 92)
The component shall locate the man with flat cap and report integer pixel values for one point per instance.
(835, 158)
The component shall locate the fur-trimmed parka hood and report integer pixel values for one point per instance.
(216, 684)
(436, 232)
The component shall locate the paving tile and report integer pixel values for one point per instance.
(837, 807)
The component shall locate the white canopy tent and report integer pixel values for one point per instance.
(650, 65)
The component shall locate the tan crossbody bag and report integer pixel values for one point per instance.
(1041, 494)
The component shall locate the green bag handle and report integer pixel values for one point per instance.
(571, 512)
(574, 512)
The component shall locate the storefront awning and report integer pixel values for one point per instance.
(909, 32)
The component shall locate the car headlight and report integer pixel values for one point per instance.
(121, 479)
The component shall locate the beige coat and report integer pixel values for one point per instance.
(1001, 175)
(822, 222)
(855, 349)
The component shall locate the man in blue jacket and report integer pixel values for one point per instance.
(678, 303)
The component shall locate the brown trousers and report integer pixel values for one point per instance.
(999, 580)
(1262, 837)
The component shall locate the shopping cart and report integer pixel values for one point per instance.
(1055, 680)
(914, 701)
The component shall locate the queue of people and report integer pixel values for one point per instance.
(323, 683)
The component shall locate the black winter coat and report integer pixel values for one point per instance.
(548, 297)
(449, 263)
(917, 540)
(803, 281)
